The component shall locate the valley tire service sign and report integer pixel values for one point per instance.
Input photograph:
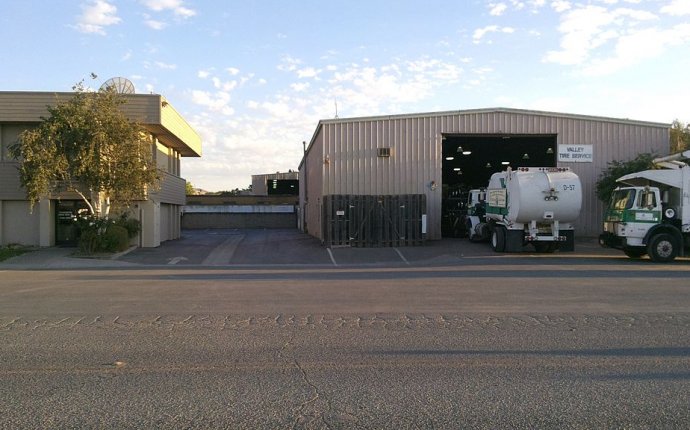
(575, 153)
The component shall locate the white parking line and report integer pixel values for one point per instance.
(402, 256)
(176, 260)
(330, 253)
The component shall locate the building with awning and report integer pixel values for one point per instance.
(49, 222)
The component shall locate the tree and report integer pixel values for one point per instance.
(88, 146)
(680, 137)
(189, 189)
(607, 180)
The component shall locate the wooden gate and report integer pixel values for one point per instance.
(373, 221)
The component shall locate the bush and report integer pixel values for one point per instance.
(105, 235)
(132, 225)
(115, 239)
(615, 169)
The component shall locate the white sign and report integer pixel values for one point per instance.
(575, 153)
(496, 198)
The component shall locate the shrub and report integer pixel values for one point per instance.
(104, 235)
(115, 239)
(615, 169)
(133, 226)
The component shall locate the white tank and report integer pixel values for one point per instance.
(534, 193)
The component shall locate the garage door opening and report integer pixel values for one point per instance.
(469, 160)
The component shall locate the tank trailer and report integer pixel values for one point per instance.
(528, 205)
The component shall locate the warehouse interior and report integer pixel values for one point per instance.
(469, 160)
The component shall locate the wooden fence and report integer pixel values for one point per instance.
(373, 221)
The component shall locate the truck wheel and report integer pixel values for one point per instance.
(662, 248)
(634, 252)
(498, 239)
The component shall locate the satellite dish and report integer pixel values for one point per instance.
(119, 85)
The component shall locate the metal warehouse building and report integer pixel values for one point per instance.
(389, 176)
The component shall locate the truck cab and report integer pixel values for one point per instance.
(649, 213)
(633, 211)
(475, 221)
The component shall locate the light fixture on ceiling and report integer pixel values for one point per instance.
(549, 151)
(488, 165)
(525, 156)
(450, 158)
(459, 172)
(466, 152)
(457, 169)
(459, 149)
(505, 163)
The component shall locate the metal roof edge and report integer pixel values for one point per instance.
(495, 110)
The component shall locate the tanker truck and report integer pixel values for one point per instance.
(531, 205)
(650, 213)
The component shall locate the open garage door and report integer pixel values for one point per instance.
(469, 160)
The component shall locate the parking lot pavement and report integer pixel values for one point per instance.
(278, 247)
(266, 247)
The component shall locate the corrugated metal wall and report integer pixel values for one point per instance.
(345, 152)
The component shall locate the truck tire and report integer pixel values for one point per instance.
(634, 252)
(662, 248)
(498, 239)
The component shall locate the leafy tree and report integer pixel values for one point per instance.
(607, 180)
(88, 146)
(189, 189)
(680, 137)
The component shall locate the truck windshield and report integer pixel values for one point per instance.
(623, 199)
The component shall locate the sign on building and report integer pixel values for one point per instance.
(575, 153)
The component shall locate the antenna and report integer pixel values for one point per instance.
(119, 85)
(335, 101)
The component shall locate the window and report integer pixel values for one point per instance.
(623, 199)
(647, 200)
(383, 152)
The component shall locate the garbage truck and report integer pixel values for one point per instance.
(649, 214)
(530, 205)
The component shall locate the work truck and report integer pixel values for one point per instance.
(529, 205)
(649, 214)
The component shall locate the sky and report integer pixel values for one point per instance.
(254, 77)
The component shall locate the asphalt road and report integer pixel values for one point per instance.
(508, 342)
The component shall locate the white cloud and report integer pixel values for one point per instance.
(176, 6)
(560, 5)
(481, 32)
(587, 28)
(232, 71)
(600, 41)
(308, 72)
(203, 74)
(224, 85)
(636, 47)
(289, 64)
(154, 24)
(95, 16)
(497, 9)
(165, 66)
(677, 8)
(300, 87)
(215, 102)
(266, 135)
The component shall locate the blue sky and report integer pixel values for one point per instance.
(255, 77)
